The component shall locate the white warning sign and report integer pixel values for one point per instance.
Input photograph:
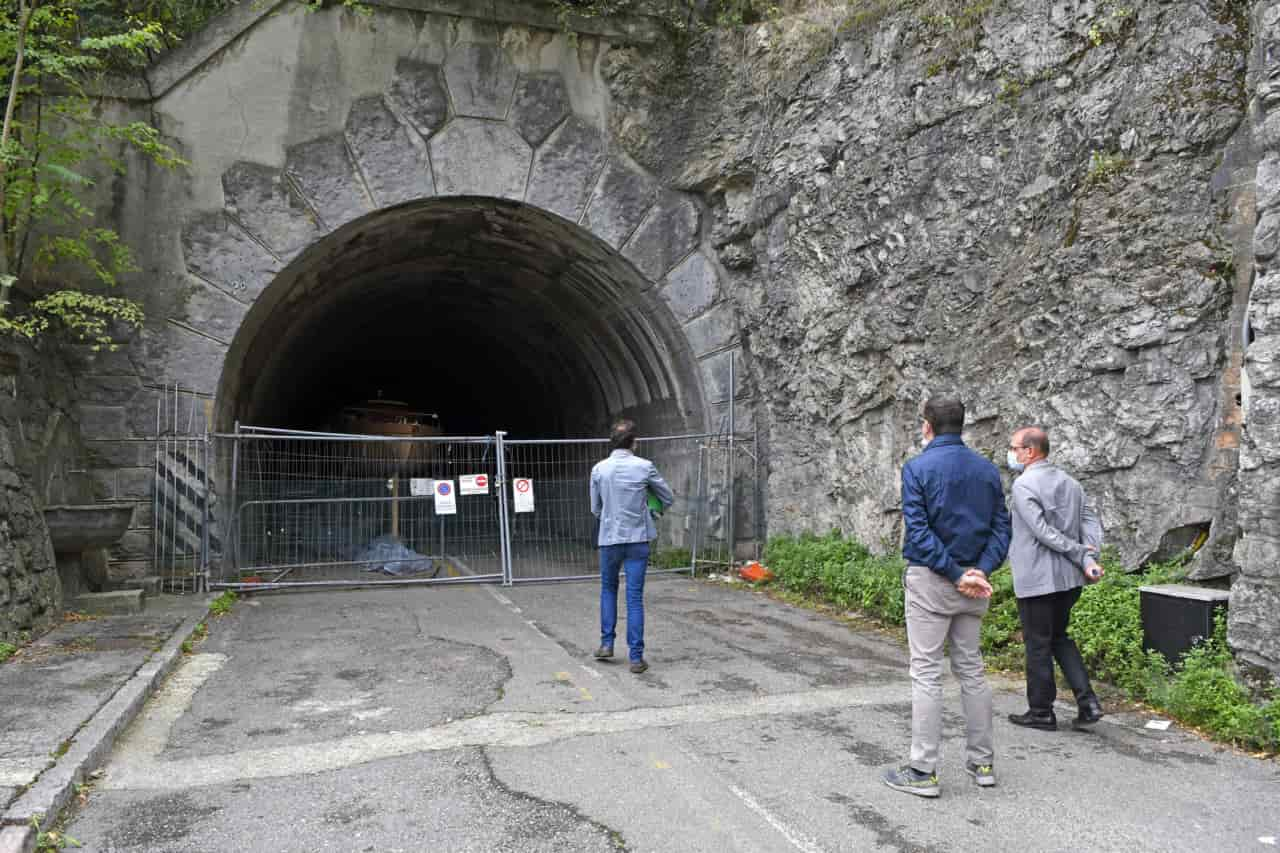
(473, 484)
(420, 487)
(523, 489)
(446, 501)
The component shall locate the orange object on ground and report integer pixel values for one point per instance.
(755, 573)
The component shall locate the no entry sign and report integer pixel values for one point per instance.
(446, 501)
(473, 484)
(523, 489)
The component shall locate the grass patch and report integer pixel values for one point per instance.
(671, 558)
(222, 605)
(197, 636)
(7, 650)
(1201, 692)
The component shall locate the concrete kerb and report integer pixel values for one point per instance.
(50, 793)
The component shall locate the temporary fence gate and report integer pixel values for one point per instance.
(306, 509)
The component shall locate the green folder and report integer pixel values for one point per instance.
(655, 506)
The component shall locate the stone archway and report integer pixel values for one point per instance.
(493, 313)
(635, 294)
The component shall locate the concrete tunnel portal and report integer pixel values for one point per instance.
(492, 314)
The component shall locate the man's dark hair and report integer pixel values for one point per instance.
(623, 435)
(945, 415)
(1037, 438)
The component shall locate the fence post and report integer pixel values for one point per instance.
(731, 532)
(206, 449)
(233, 512)
(699, 500)
(504, 529)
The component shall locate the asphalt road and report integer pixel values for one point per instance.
(474, 719)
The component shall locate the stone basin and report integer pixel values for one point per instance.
(79, 528)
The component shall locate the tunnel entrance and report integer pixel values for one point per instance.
(469, 316)
(488, 313)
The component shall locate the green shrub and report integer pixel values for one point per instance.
(841, 571)
(672, 558)
(7, 650)
(221, 605)
(1203, 692)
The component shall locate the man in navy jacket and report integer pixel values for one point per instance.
(957, 533)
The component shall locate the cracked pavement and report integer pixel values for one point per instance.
(474, 719)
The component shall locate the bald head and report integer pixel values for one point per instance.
(1035, 440)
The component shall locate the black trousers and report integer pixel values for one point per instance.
(1044, 629)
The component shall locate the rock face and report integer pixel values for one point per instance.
(1033, 211)
(1255, 595)
(39, 452)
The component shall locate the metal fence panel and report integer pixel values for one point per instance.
(330, 509)
(324, 509)
(183, 497)
(557, 540)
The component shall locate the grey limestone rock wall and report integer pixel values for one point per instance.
(40, 460)
(1255, 595)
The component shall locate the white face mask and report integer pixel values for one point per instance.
(1013, 463)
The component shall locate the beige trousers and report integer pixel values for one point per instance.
(938, 613)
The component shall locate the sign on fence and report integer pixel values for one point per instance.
(446, 502)
(523, 488)
(474, 484)
(420, 487)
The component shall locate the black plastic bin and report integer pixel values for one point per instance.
(1177, 616)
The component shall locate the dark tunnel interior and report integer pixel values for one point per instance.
(490, 314)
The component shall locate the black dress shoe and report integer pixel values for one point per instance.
(1090, 713)
(1036, 720)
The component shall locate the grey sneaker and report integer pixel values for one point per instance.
(604, 652)
(907, 778)
(639, 666)
(983, 774)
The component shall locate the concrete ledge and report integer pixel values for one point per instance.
(108, 603)
(46, 798)
(17, 839)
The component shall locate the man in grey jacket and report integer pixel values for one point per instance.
(1056, 537)
(620, 489)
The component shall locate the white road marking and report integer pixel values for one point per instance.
(147, 737)
(794, 837)
(133, 770)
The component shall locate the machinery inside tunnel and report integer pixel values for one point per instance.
(490, 314)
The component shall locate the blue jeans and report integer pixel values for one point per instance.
(634, 558)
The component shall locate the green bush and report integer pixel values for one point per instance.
(1203, 692)
(841, 571)
(1106, 624)
(7, 650)
(671, 558)
(222, 605)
